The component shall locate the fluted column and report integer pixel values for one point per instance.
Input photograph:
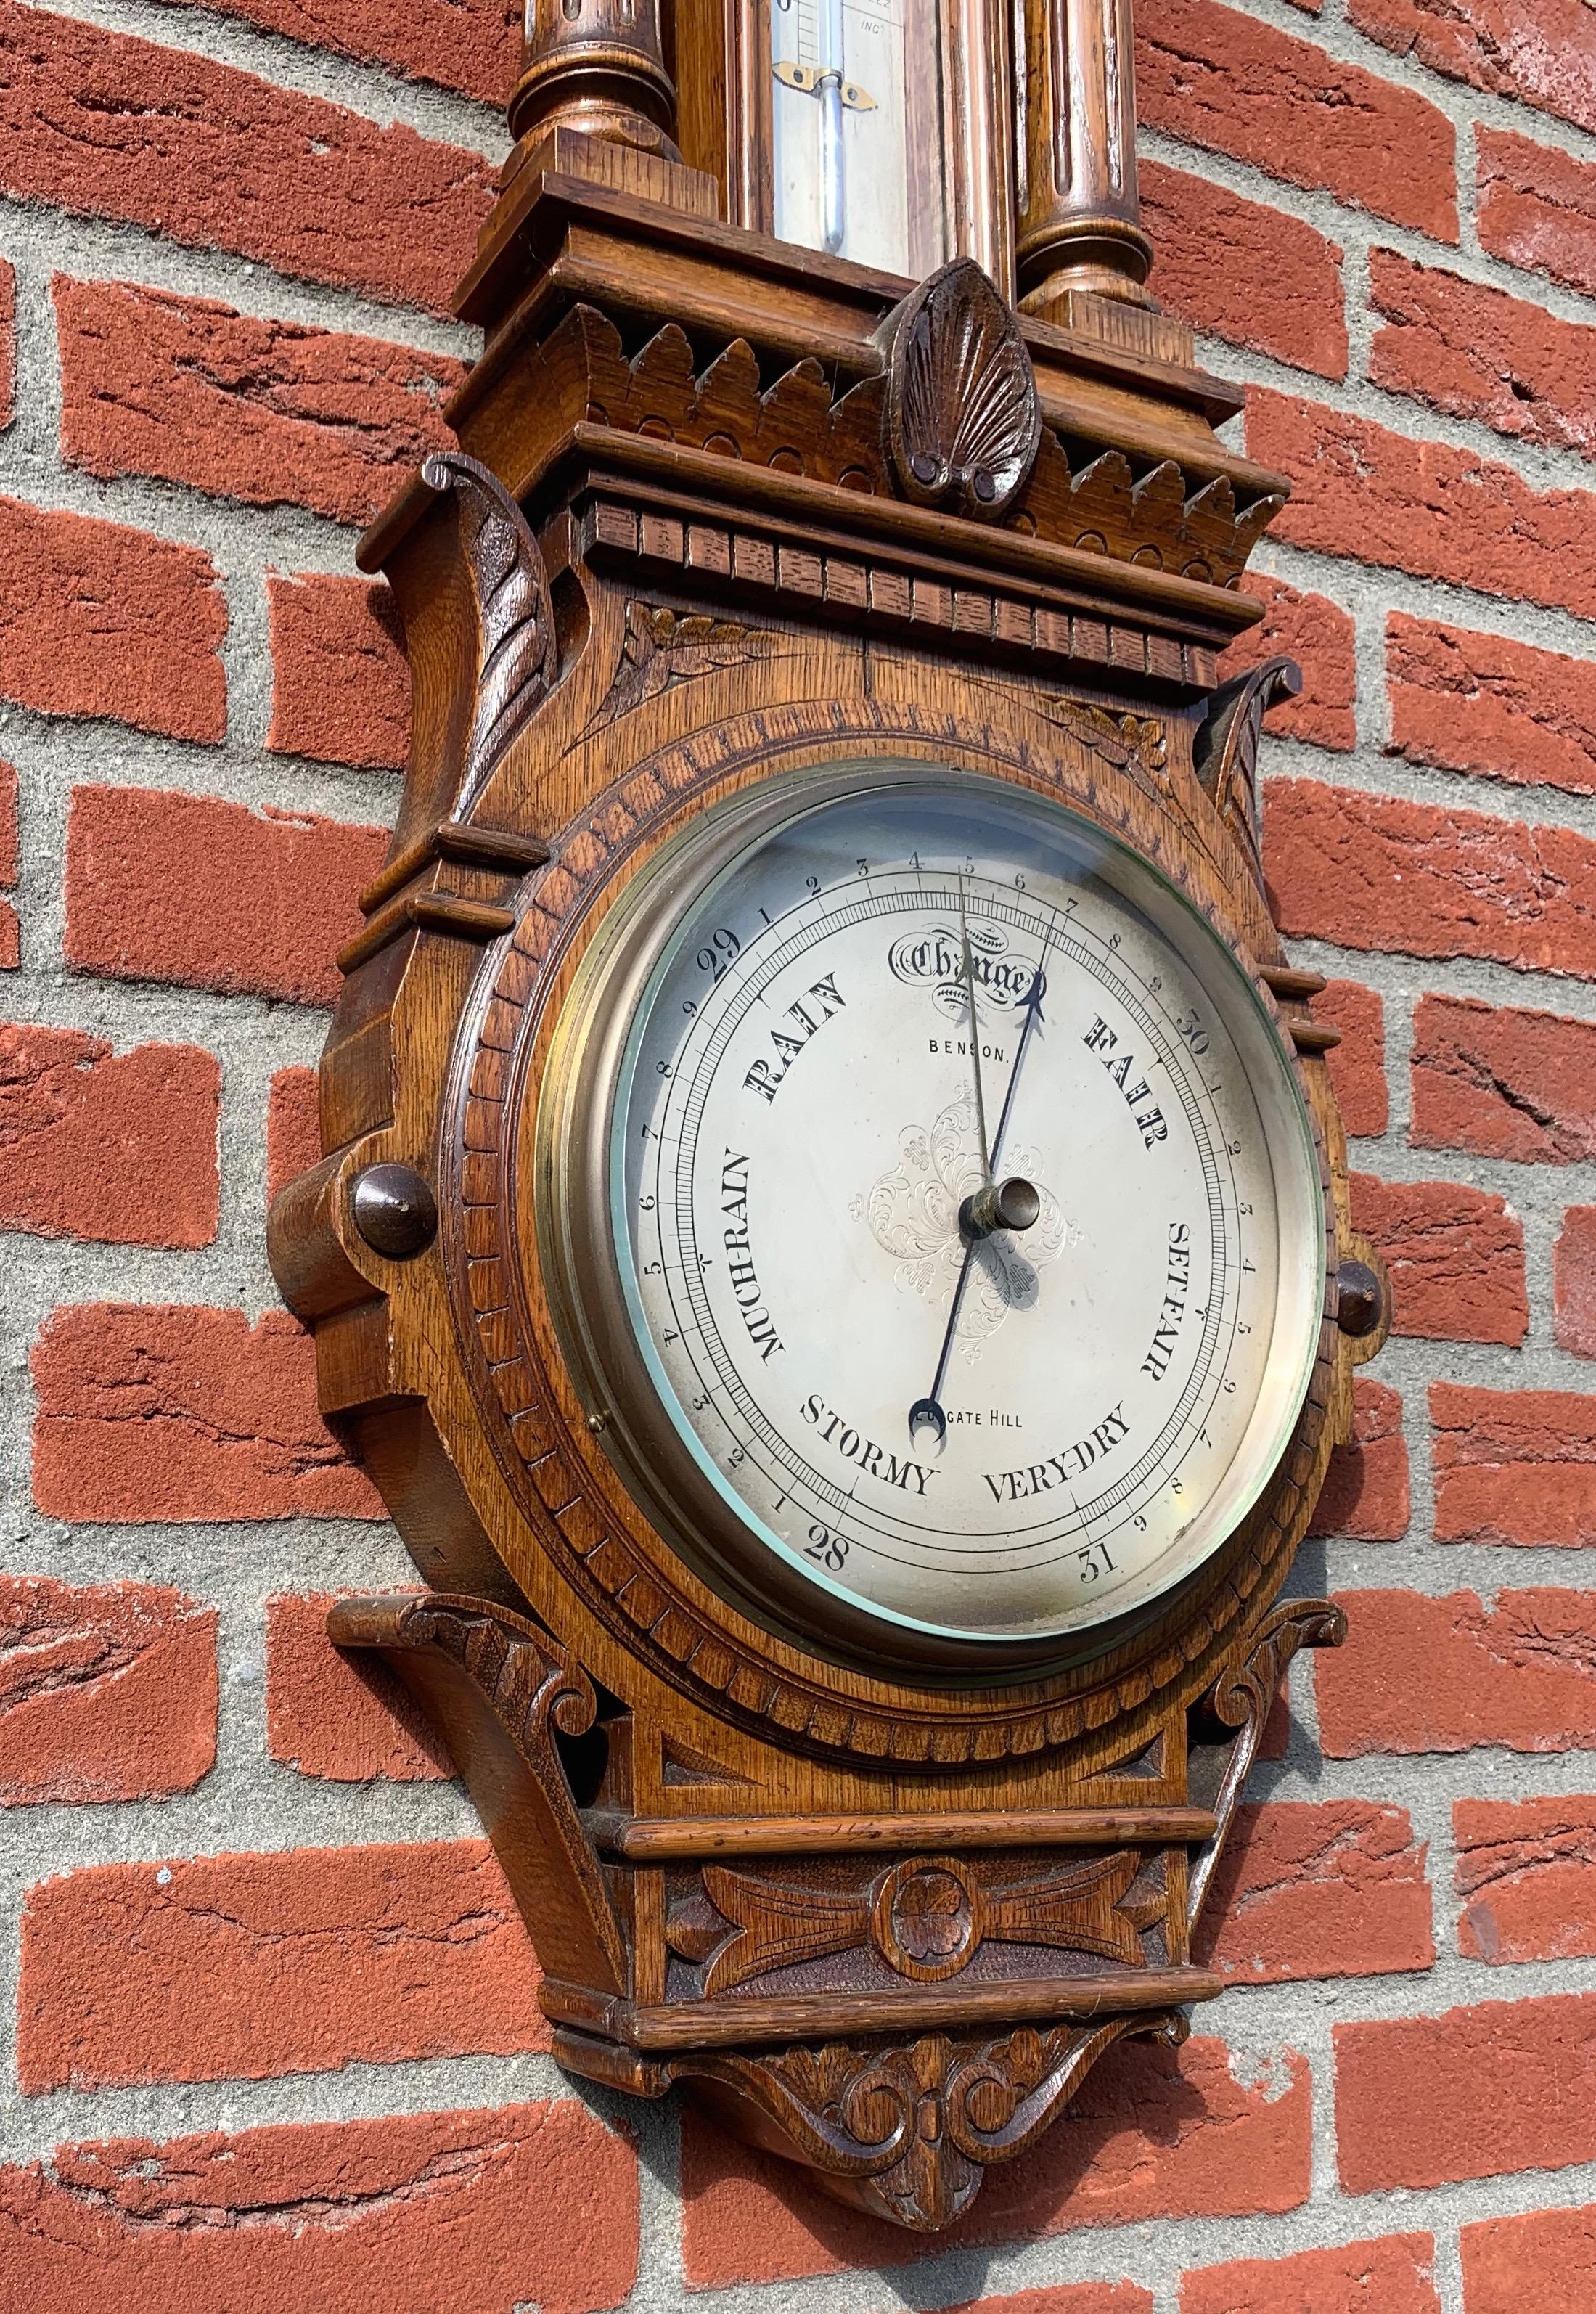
(1080, 214)
(597, 67)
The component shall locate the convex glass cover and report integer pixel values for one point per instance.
(958, 1206)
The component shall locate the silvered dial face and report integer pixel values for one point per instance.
(966, 1211)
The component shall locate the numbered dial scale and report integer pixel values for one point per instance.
(938, 1216)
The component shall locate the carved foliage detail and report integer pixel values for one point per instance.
(1133, 742)
(515, 657)
(907, 2131)
(665, 648)
(926, 1918)
(1226, 750)
(962, 420)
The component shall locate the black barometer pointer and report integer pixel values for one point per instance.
(1010, 1204)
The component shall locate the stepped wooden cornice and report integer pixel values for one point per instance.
(624, 352)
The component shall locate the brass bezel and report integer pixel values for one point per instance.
(625, 1408)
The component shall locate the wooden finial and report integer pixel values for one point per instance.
(1080, 215)
(597, 67)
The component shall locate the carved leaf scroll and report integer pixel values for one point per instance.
(1242, 1697)
(1226, 750)
(962, 420)
(907, 2131)
(515, 654)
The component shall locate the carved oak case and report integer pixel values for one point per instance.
(735, 528)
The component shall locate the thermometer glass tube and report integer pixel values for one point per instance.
(856, 116)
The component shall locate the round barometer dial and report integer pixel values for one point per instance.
(955, 1207)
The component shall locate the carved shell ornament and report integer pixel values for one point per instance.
(962, 421)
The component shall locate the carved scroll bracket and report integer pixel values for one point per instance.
(904, 2130)
(963, 423)
(515, 651)
(1242, 1698)
(501, 1690)
(1225, 753)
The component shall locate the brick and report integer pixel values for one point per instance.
(1379, 872)
(419, 2213)
(107, 1690)
(1456, 1258)
(1537, 207)
(1574, 1282)
(474, 46)
(1502, 1083)
(8, 341)
(1211, 248)
(293, 1128)
(1527, 1871)
(1357, 1065)
(1317, 1889)
(1479, 703)
(1229, 81)
(209, 895)
(1152, 2134)
(1421, 1674)
(1359, 490)
(99, 619)
(1366, 1495)
(147, 1413)
(337, 1714)
(1515, 1466)
(1545, 2260)
(1540, 51)
(269, 412)
(120, 1149)
(1392, 2276)
(1476, 352)
(1323, 640)
(245, 1967)
(341, 682)
(1474, 2093)
(105, 125)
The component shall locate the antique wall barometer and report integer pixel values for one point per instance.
(834, 1237)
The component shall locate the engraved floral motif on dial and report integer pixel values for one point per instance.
(967, 1212)
(914, 1213)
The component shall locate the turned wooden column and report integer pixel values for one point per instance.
(597, 68)
(1080, 215)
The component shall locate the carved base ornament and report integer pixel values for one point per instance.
(833, 1239)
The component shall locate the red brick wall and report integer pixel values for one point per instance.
(267, 2038)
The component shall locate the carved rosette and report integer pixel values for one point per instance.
(962, 420)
